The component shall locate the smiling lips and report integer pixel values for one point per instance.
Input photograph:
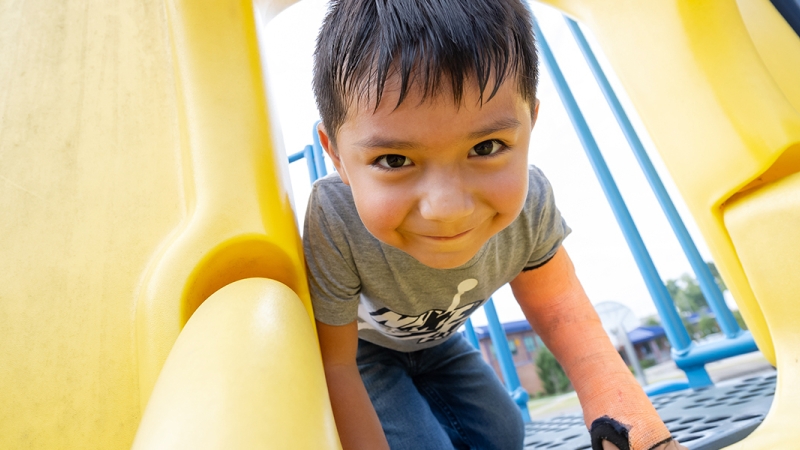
(448, 238)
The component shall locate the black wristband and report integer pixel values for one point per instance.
(608, 429)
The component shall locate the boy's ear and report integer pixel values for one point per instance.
(534, 112)
(330, 149)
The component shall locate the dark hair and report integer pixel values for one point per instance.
(427, 43)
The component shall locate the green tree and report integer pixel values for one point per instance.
(689, 299)
(707, 325)
(652, 321)
(686, 293)
(554, 379)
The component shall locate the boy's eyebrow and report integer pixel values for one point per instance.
(505, 123)
(387, 143)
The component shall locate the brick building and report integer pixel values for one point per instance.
(523, 343)
(650, 343)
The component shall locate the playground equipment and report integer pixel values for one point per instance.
(139, 175)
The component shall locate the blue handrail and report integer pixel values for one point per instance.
(676, 333)
(691, 359)
(506, 360)
(706, 280)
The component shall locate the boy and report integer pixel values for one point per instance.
(427, 109)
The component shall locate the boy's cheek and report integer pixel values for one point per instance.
(380, 215)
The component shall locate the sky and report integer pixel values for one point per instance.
(597, 247)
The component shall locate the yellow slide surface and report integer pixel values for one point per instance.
(244, 374)
(765, 225)
(138, 175)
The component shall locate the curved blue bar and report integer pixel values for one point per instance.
(507, 367)
(666, 387)
(297, 156)
(675, 331)
(699, 355)
(706, 280)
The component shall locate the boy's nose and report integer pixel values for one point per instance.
(446, 199)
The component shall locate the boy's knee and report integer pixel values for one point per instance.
(507, 433)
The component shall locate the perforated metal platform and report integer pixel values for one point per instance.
(704, 419)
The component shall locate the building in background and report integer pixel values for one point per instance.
(651, 345)
(524, 344)
(649, 342)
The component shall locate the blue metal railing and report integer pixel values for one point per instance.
(690, 357)
(706, 280)
(737, 341)
(676, 334)
(509, 371)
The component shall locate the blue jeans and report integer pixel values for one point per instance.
(444, 397)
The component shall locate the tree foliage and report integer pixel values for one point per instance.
(554, 379)
(652, 321)
(687, 295)
(706, 325)
(689, 300)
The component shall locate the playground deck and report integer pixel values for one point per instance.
(704, 419)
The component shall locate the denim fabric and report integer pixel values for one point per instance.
(443, 397)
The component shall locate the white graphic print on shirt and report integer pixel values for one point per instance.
(429, 326)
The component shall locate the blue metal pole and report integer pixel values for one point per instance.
(675, 331)
(297, 156)
(308, 153)
(507, 367)
(706, 280)
(471, 336)
(319, 159)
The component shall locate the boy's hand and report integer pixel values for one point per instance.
(671, 445)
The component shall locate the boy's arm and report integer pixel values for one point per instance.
(356, 420)
(557, 307)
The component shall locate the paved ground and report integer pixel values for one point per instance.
(737, 366)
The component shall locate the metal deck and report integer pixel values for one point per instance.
(704, 419)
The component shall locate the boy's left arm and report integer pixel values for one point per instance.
(558, 309)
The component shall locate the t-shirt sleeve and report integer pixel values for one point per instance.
(548, 227)
(332, 276)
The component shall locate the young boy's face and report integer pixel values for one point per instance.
(436, 179)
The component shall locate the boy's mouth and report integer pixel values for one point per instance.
(448, 237)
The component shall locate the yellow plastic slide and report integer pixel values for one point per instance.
(139, 175)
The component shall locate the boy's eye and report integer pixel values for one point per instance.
(392, 161)
(486, 148)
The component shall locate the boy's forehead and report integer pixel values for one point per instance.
(416, 97)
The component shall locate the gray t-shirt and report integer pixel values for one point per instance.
(400, 303)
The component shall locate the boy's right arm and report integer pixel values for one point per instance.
(356, 420)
